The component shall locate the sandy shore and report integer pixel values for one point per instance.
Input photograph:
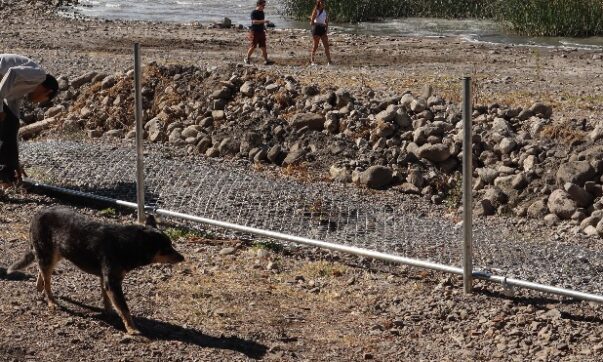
(568, 79)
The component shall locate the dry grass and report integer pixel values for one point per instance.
(562, 132)
(300, 172)
(322, 269)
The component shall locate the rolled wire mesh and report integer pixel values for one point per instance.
(229, 191)
(562, 260)
(387, 222)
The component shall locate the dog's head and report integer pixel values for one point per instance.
(164, 251)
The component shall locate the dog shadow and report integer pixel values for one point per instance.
(16, 276)
(157, 330)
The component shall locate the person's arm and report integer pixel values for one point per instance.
(313, 16)
(2, 114)
(258, 21)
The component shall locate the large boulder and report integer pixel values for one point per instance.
(538, 209)
(276, 155)
(541, 108)
(507, 145)
(294, 157)
(83, 79)
(388, 115)
(418, 105)
(578, 194)
(561, 204)
(247, 89)
(340, 173)
(488, 175)
(576, 172)
(435, 153)
(311, 120)
(376, 177)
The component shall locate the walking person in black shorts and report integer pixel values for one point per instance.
(320, 26)
(257, 33)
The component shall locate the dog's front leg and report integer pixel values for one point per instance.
(118, 300)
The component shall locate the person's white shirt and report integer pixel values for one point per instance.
(321, 18)
(20, 76)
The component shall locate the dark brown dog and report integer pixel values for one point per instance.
(107, 250)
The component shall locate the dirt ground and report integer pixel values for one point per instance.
(235, 301)
(263, 301)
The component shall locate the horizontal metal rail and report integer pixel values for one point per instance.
(508, 282)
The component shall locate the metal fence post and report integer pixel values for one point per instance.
(467, 198)
(139, 136)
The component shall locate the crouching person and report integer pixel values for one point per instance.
(20, 78)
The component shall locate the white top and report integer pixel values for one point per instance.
(20, 76)
(321, 17)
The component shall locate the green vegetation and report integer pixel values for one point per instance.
(108, 212)
(370, 10)
(268, 245)
(182, 233)
(553, 17)
(528, 17)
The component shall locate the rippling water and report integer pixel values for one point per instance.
(206, 11)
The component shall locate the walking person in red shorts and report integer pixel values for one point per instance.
(257, 33)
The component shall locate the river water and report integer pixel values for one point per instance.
(207, 11)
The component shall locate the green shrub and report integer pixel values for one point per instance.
(371, 10)
(553, 17)
(527, 17)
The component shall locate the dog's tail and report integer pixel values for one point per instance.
(24, 262)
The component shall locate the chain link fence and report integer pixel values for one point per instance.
(231, 192)
(342, 214)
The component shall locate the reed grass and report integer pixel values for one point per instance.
(372, 10)
(527, 17)
(576, 18)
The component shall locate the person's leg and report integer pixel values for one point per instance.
(262, 43)
(325, 43)
(252, 45)
(9, 148)
(250, 53)
(265, 53)
(316, 41)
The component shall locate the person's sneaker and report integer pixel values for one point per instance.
(268, 62)
(330, 64)
(246, 61)
(313, 64)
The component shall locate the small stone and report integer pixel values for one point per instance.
(551, 219)
(227, 251)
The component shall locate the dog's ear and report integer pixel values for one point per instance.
(150, 221)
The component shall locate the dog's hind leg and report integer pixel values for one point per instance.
(106, 301)
(117, 298)
(40, 282)
(46, 268)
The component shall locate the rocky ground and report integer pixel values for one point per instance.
(387, 116)
(233, 300)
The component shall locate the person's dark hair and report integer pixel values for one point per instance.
(315, 11)
(260, 2)
(51, 84)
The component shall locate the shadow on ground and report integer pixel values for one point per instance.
(157, 330)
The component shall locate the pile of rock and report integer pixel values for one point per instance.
(406, 142)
